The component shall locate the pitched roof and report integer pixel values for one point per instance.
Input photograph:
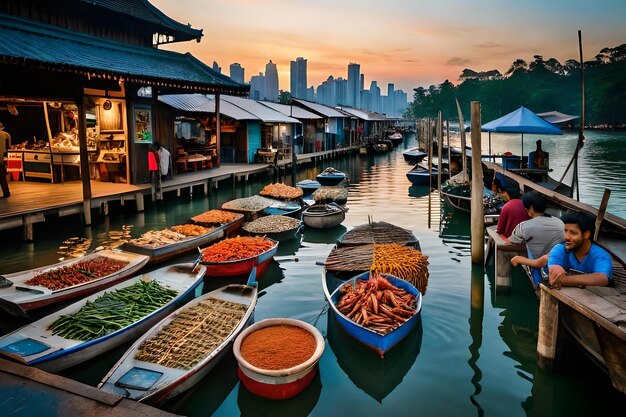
(293, 111)
(200, 103)
(144, 11)
(369, 116)
(556, 117)
(319, 108)
(264, 113)
(29, 43)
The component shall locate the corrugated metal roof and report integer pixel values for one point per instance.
(143, 10)
(200, 103)
(264, 113)
(293, 111)
(25, 42)
(319, 108)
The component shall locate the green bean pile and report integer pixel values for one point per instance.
(112, 311)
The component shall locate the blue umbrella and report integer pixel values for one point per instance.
(521, 121)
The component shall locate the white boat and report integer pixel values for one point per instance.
(21, 296)
(153, 383)
(35, 344)
(323, 216)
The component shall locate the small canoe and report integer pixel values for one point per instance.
(242, 267)
(330, 176)
(414, 155)
(35, 344)
(184, 360)
(333, 285)
(22, 297)
(323, 216)
(164, 252)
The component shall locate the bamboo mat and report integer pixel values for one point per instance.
(378, 232)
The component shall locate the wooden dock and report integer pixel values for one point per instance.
(30, 391)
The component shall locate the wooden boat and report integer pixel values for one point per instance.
(593, 316)
(323, 216)
(21, 297)
(382, 146)
(152, 383)
(242, 267)
(459, 198)
(229, 227)
(379, 343)
(396, 138)
(36, 345)
(330, 176)
(171, 250)
(419, 175)
(414, 155)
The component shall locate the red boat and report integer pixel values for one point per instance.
(242, 267)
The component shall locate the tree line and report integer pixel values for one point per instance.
(540, 85)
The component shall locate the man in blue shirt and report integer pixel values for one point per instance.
(579, 261)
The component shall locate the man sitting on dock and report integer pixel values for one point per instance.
(579, 261)
(513, 212)
(540, 234)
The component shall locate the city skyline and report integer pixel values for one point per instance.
(410, 44)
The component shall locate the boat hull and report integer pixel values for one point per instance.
(175, 381)
(241, 267)
(64, 353)
(330, 179)
(375, 341)
(166, 252)
(26, 298)
(317, 218)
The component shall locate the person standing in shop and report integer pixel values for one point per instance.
(5, 144)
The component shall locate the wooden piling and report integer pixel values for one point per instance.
(548, 329)
(477, 209)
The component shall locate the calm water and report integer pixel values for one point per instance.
(474, 353)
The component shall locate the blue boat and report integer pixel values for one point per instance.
(308, 186)
(330, 176)
(379, 343)
(419, 175)
(414, 155)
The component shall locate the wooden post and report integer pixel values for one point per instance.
(218, 128)
(477, 209)
(84, 157)
(439, 149)
(601, 212)
(548, 329)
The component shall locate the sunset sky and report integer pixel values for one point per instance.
(410, 43)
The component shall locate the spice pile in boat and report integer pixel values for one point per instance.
(236, 248)
(78, 273)
(377, 304)
(272, 224)
(196, 332)
(174, 234)
(280, 346)
(216, 216)
(283, 191)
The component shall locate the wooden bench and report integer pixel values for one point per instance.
(503, 252)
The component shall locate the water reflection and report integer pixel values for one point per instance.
(477, 309)
(375, 376)
(300, 405)
(324, 236)
(419, 190)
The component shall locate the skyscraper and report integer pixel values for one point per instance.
(298, 78)
(353, 98)
(271, 82)
(237, 73)
(216, 67)
(257, 87)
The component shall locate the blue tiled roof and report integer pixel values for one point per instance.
(26, 42)
(143, 10)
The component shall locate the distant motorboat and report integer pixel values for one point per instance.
(396, 138)
(330, 176)
(419, 174)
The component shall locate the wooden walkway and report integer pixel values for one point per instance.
(30, 391)
(31, 202)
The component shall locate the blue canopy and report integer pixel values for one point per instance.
(521, 121)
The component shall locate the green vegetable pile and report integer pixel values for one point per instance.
(112, 311)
